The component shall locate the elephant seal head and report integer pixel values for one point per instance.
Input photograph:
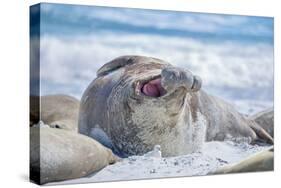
(138, 102)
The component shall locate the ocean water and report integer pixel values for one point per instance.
(232, 54)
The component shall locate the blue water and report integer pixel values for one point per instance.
(61, 20)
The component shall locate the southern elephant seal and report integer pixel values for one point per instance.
(138, 102)
(57, 154)
(57, 111)
(261, 161)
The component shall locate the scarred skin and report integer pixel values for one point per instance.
(138, 102)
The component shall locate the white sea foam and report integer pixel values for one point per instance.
(232, 70)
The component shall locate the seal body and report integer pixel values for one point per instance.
(58, 154)
(138, 102)
(57, 111)
(262, 161)
(57, 151)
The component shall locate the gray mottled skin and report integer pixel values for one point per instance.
(58, 111)
(58, 154)
(266, 120)
(131, 123)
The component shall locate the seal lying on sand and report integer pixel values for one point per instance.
(57, 151)
(138, 102)
(58, 111)
(58, 154)
(262, 161)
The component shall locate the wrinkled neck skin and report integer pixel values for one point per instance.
(169, 120)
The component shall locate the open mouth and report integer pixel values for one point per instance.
(153, 88)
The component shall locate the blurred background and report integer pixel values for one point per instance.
(232, 54)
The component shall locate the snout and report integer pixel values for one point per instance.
(174, 77)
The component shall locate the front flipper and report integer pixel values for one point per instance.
(266, 120)
(262, 135)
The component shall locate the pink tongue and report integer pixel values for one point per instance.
(153, 88)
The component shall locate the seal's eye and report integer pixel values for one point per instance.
(115, 64)
(57, 126)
